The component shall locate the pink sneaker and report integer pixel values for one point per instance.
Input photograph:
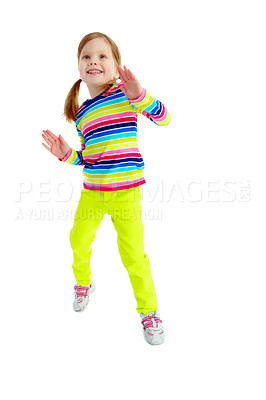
(153, 330)
(82, 294)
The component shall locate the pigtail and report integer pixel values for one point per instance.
(72, 102)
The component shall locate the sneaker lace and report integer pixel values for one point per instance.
(151, 321)
(81, 291)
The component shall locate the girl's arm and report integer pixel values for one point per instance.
(141, 100)
(74, 157)
(151, 108)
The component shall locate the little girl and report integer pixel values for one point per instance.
(113, 170)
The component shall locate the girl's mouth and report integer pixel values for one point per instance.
(94, 72)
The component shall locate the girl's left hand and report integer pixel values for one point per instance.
(131, 86)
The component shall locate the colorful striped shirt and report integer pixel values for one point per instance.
(107, 128)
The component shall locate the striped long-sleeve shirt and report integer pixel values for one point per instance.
(107, 128)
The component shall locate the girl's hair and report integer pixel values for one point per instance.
(72, 100)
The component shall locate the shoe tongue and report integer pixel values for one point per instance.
(150, 313)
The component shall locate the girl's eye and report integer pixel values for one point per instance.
(102, 55)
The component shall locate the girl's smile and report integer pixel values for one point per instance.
(94, 72)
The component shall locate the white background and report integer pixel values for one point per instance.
(205, 60)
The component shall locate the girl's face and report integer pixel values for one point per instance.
(97, 55)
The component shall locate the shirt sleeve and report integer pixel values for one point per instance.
(151, 108)
(75, 156)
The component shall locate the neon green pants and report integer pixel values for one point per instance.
(124, 207)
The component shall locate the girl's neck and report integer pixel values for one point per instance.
(95, 92)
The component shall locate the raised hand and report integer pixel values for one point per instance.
(58, 146)
(131, 86)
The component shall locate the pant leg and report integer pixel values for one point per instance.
(126, 217)
(88, 217)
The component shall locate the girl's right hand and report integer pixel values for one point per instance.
(58, 146)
